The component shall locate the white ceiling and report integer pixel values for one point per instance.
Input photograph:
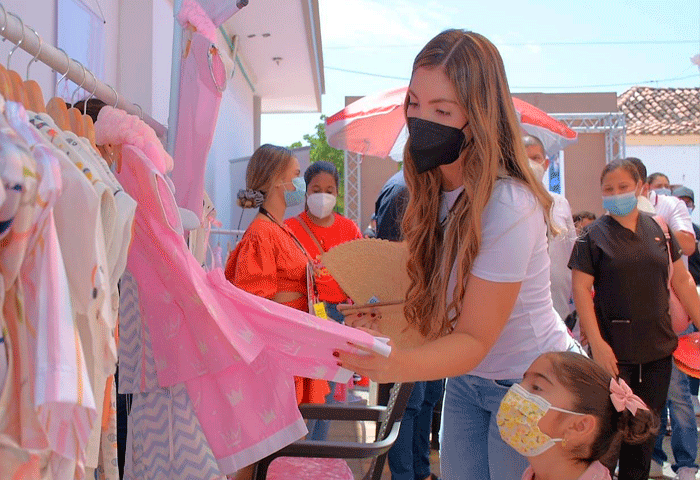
(288, 30)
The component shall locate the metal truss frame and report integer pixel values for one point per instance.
(610, 123)
(353, 187)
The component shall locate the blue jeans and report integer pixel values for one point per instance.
(318, 429)
(694, 382)
(684, 433)
(470, 445)
(409, 457)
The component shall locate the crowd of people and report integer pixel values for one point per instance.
(499, 268)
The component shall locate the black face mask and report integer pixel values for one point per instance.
(433, 144)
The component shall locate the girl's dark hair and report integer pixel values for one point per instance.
(94, 105)
(321, 166)
(589, 384)
(583, 214)
(623, 163)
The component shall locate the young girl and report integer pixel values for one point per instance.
(567, 413)
(476, 229)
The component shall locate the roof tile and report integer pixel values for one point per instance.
(661, 111)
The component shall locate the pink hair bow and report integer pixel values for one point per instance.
(622, 397)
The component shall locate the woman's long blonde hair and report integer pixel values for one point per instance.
(475, 69)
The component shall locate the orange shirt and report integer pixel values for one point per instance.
(340, 231)
(266, 261)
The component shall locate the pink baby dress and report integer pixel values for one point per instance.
(211, 366)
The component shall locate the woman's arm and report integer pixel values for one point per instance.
(582, 284)
(486, 308)
(684, 287)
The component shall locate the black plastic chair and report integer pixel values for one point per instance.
(388, 423)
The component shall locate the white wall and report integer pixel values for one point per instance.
(42, 16)
(681, 163)
(163, 22)
(233, 138)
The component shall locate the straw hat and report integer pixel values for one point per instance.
(369, 270)
(373, 274)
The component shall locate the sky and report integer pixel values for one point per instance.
(547, 46)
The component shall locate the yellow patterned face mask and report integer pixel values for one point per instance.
(518, 421)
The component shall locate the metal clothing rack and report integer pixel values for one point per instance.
(14, 29)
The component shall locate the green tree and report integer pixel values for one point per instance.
(320, 150)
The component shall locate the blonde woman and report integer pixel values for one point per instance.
(269, 261)
(476, 226)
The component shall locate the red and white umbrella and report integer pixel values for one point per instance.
(375, 125)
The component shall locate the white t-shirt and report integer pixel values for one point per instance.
(560, 248)
(514, 249)
(674, 212)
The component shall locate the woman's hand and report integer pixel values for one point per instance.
(604, 356)
(377, 367)
(365, 319)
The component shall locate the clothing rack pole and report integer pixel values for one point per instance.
(54, 58)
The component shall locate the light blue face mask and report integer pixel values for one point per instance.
(295, 197)
(620, 205)
(662, 191)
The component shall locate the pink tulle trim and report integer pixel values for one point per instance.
(116, 127)
(192, 13)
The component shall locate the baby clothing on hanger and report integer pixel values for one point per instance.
(56, 408)
(235, 354)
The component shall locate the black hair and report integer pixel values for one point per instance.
(321, 166)
(578, 216)
(651, 178)
(626, 164)
(640, 167)
(94, 105)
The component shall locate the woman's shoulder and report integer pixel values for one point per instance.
(346, 222)
(511, 197)
(512, 190)
(260, 230)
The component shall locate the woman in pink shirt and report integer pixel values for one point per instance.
(567, 413)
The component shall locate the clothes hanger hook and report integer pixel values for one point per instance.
(9, 55)
(72, 97)
(92, 94)
(36, 57)
(4, 25)
(140, 110)
(116, 96)
(67, 69)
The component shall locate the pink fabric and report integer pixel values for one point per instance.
(193, 14)
(198, 112)
(118, 127)
(596, 471)
(63, 396)
(622, 397)
(235, 352)
(300, 468)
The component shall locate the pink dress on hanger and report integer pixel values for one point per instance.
(211, 366)
(202, 80)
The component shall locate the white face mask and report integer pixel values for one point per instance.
(321, 204)
(537, 169)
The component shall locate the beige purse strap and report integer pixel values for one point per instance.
(310, 233)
